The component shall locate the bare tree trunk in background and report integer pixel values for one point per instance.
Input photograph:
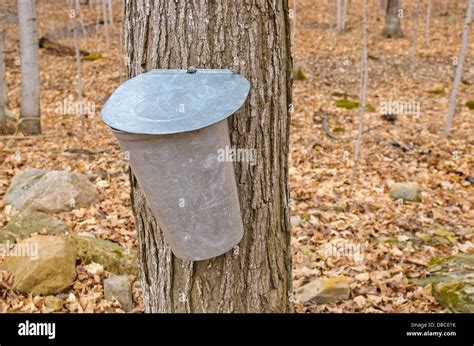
(392, 20)
(256, 276)
(459, 68)
(30, 122)
(78, 66)
(427, 24)
(121, 45)
(364, 76)
(97, 20)
(78, 13)
(111, 13)
(3, 117)
(106, 25)
(292, 16)
(339, 15)
(344, 15)
(415, 33)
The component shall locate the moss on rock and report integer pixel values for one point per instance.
(115, 258)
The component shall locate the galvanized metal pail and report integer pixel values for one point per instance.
(173, 124)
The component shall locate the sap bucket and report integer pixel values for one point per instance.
(172, 124)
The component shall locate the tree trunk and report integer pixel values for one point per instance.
(339, 15)
(427, 22)
(30, 122)
(415, 33)
(292, 15)
(78, 66)
(252, 37)
(3, 117)
(364, 77)
(459, 68)
(392, 20)
(106, 25)
(111, 13)
(78, 13)
(97, 20)
(121, 45)
(344, 15)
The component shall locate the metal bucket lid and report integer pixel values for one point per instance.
(172, 101)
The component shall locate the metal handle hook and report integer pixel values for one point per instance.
(191, 70)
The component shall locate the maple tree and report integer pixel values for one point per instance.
(337, 229)
(260, 264)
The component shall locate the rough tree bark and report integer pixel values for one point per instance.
(30, 122)
(251, 37)
(392, 20)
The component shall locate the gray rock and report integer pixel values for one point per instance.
(115, 258)
(42, 264)
(456, 293)
(120, 288)
(452, 281)
(324, 290)
(50, 191)
(24, 224)
(408, 191)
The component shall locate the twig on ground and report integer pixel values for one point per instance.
(417, 262)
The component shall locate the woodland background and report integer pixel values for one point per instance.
(378, 253)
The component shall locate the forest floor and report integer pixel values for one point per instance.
(326, 210)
